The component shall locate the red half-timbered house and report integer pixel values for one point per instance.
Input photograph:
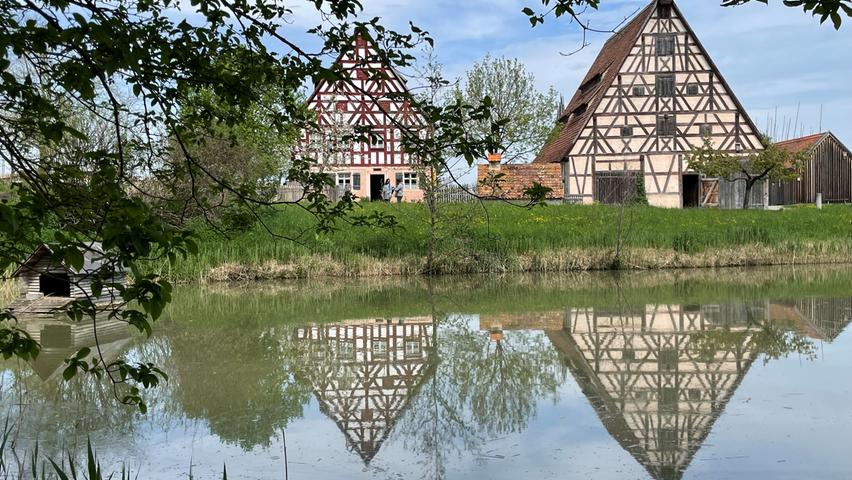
(373, 96)
(650, 96)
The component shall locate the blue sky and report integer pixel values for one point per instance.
(772, 56)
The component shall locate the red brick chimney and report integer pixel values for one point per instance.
(494, 160)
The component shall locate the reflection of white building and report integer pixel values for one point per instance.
(659, 376)
(364, 373)
(62, 339)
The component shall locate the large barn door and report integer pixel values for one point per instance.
(54, 284)
(616, 187)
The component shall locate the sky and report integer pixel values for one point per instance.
(774, 57)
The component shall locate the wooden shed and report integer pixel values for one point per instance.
(828, 170)
(44, 276)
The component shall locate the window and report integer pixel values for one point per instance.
(346, 350)
(412, 348)
(380, 348)
(591, 83)
(738, 147)
(694, 394)
(385, 105)
(668, 360)
(665, 86)
(668, 439)
(668, 400)
(692, 89)
(361, 74)
(377, 140)
(664, 11)
(626, 131)
(639, 91)
(407, 179)
(665, 125)
(579, 110)
(665, 44)
(344, 179)
(705, 129)
(342, 106)
(628, 354)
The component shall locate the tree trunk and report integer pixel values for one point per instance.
(749, 184)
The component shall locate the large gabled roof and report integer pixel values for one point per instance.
(607, 65)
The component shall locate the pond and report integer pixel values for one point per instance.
(735, 373)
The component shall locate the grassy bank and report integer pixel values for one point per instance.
(502, 238)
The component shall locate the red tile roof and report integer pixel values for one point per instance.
(607, 64)
(801, 143)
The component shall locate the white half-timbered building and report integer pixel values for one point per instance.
(371, 95)
(364, 373)
(660, 375)
(651, 95)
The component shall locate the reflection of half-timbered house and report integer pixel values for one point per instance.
(650, 96)
(365, 372)
(821, 318)
(827, 170)
(371, 95)
(659, 376)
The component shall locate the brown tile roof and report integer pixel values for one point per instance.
(607, 64)
(801, 143)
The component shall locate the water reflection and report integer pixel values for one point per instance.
(423, 379)
(365, 372)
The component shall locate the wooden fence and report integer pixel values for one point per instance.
(293, 192)
(455, 194)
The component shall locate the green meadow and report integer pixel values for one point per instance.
(498, 237)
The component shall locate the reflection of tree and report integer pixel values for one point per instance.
(479, 389)
(239, 381)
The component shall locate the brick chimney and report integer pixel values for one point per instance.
(494, 160)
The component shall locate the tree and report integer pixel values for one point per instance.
(524, 114)
(131, 64)
(574, 9)
(772, 163)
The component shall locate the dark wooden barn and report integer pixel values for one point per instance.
(828, 170)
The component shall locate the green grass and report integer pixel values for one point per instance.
(507, 231)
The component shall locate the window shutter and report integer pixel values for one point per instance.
(665, 86)
(356, 181)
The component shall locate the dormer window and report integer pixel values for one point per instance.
(590, 83)
(581, 109)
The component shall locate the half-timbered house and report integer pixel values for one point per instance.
(659, 375)
(827, 171)
(373, 96)
(650, 96)
(364, 373)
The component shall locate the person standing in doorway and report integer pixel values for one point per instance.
(398, 191)
(387, 191)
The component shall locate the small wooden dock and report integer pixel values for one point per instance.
(41, 307)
